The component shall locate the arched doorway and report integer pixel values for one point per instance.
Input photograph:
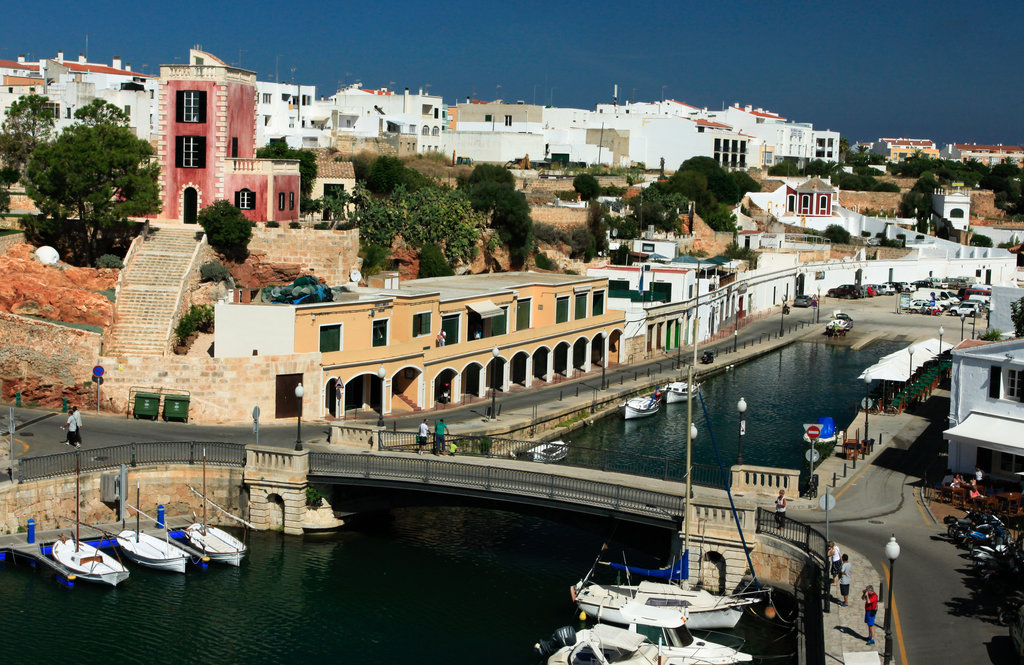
(579, 354)
(275, 512)
(519, 373)
(540, 363)
(332, 398)
(597, 350)
(562, 358)
(190, 205)
(615, 346)
(443, 387)
(363, 393)
(471, 380)
(405, 389)
(712, 572)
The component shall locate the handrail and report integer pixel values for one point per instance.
(795, 533)
(218, 453)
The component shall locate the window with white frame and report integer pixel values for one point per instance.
(245, 199)
(190, 152)
(191, 106)
(380, 332)
(331, 338)
(508, 121)
(1015, 384)
(421, 324)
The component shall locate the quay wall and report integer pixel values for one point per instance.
(51, 501)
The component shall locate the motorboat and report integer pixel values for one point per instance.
(88, 563)
(152, 552)
(217, 544)
(552, 451)
(679, 391)
(609, 644)
(641, 407)
(827, 431)
(622, 604)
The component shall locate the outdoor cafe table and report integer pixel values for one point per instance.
(1009, 499)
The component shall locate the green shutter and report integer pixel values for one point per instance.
(499, 324)
(523, 314)
(597, 306)
(450, 326)
(581, 306)
(421, 324)
(562, 310)
(330, 338)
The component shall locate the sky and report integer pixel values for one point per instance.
(948, 71)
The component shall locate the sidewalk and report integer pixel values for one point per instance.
(844, 627)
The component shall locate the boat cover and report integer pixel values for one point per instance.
(828, 427)
(677, 571)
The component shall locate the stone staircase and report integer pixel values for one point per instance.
(150, 290)
(408, 402)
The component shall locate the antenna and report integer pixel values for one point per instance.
(355, 276)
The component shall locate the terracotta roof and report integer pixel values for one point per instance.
(989, 148)
(376, 92)
(11, 64)
(815, 185)
(762, 113)
(915, 143)
(971, 343)
(676, 101)
(708, 123)
(100, 69)
(327, 167)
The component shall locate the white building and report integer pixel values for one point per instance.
(414, 122)
(986, 409)
(778, 138)
(952, 207)
(291, 113)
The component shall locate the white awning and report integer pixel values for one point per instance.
(899, 366)
(486, 309)
(994, 432)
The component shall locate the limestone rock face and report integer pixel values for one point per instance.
(59, 292)
(256, 271)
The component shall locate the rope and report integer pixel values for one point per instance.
(238, 519)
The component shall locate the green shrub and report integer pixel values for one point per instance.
(199, 318)
(566, 194)
(543, 262)
(322, 226)
(314, 497)
(294, 225)
(272, 224)
(866, 234)
(433, 263)
(227, 228)
(109, 261)
(214, 272)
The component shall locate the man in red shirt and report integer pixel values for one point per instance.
(870, 609)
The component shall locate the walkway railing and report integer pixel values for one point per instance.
(613, 461)
(218, 453)
(803, 536)
(499, 480)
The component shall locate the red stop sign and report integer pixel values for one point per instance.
(813, 432)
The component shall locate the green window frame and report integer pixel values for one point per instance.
(499, 324)
(379, 332)
(524, 311)
(450, 325)
(597, 303)
(330, 338)
(561, 309)
(581, 306)
(421, 324)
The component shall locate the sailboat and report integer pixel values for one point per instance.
(150, 551)
(85, 561)
(608, 644)
(641, 407)
(217, 544)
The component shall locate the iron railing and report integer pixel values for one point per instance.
(218, 453)
(662, 468)
(796, 533)
(523, 483)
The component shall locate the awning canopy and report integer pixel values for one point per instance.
(486, 309)
(899, 366)
(994, 432)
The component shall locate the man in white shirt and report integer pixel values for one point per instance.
(74, 427)
(424, 433)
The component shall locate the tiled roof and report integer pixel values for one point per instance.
(675, 101)
(913, 143)
(11, 64)
(100, 69)
(327, 167)
(815, 185)
(760, 113)
(708, 123)
(989, 148)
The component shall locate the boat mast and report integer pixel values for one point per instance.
(78, 523)
(690, 394)
(204, 489)
(138, 515)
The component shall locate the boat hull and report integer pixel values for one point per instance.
(88, 563)
(218, 545)
(640, 407)
(152, 552)
(618, 604)
(678, 391)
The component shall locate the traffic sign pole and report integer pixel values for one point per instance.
(97, 372)
(813, 432)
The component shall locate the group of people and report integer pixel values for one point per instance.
(840, 570)
(73, 426)
(441, 445)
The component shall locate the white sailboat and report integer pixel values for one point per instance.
(641, 407)
(150, 551)
(83, 560)
(217, 544)
(609, 644)
(679, 391)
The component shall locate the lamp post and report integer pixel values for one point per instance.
(494, 382)
(892, 552)
(974, 323)
(782, 319)
(735, 340)
(741, 406)
(911, 351)
(299, 392)
(381, 373)
(679, 342)
(867, 405)
(963, 317)
(941, 330)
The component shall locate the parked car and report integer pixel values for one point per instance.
(969, 308)
(902, 287)
(802, 301)
(925, 306)
(922, 284)
(886, 289)
(844, 291)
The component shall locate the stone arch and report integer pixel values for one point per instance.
(518, 371)
(541, 355)
(713, 572)
(472, 381)
(444, 386)
(274, 511)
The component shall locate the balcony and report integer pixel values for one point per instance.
(236, 165)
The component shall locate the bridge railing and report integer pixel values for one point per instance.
(522, 482)
(796, 533)
(218, 453)
(663, 468)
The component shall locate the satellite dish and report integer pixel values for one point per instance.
(355, 276)
(47, 255)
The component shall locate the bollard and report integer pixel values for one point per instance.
(31, 531)
(844, 469)
(559, 395)
(160, 516)
(63, 404)
(620, 379)
(577, 391)
(17, 399)
(833, 479)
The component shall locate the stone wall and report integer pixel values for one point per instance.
(888, 202)
(51, 502)
(49, 361)
(983, 204)
(562, 217)
(10, 240)
(222, 390)
(707, 239)
(779, 562)
(330, 255)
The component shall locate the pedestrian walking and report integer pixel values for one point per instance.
(835, 560)
(73, 427)
(870, 610)
(780, 508)
(423, 435)
(439, 431)
(844, 581)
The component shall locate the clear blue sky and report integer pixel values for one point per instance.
(950, 71)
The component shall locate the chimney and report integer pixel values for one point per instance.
(748, 107)
(128, 67)
(421, 91)
(405, 107)
(60, 56)
(81, 59)
(467, 99)
(117, 62)
(21, 57)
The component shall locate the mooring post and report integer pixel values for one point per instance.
(160, 516)
(31, 531)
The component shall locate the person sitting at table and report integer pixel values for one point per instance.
(958, 481)
(974, 493)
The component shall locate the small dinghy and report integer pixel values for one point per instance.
(679, 391)
(216, 543)
(552, 451)
(828, 431)
(641, 407)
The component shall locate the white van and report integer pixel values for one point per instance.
(986, 301)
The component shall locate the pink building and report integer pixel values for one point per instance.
(813, 198)
(206, 145)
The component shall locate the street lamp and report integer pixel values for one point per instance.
(679, 342)
(867, 406)
(892, 552)
(782, 320)
(911, 351)
(381, 373)
(941, 330)
(963, 318)
(299, 392)
(741, 406)
(494, 383)
(735, 340)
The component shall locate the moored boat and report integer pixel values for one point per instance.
(552, 451)
(152, 552)
(87, 562)
(827, 431)
(610, 644)
(216, 543)
(641, 407)
(679, 391)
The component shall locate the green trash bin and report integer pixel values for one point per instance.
(147, 405)
(176, 407)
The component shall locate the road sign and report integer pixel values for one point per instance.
(866, 403)
(813, 431)
(812, 455)
(743, 427)
(827, 502)
(256, 414)
(97, 371)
